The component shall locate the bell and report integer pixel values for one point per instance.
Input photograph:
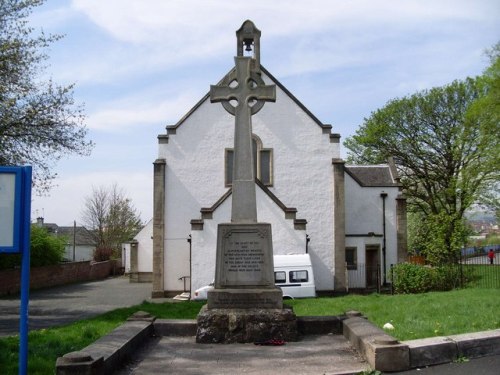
(248, 45)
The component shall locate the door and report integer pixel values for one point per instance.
(372, 266)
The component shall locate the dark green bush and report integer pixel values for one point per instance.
(415, 278)
(412, 278)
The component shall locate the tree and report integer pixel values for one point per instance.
(447, 154)
(39, 120)
(110, 217)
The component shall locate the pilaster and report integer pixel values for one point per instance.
(134, 262)
(401, 229)
(339, 278)
(159, 180)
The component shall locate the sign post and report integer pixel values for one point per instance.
(15, 211)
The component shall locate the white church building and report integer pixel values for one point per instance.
(350, 219)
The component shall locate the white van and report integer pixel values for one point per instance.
(292, 273)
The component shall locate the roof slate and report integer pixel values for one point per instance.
(372, 175)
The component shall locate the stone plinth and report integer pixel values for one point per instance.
(245, 325)
(245, 299)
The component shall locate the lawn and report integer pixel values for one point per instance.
(413, 316)
(417, 315)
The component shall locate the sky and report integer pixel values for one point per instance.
(139, 66)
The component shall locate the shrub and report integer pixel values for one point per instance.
(415, 278)
(412, 278)
(45, 249)
(448, 277)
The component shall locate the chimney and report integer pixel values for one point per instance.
(39, 221)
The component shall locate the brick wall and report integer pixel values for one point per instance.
(47, 276)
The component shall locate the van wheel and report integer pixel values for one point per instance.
(287, 297)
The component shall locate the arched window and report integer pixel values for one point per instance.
(262, 159)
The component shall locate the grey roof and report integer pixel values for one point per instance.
(372, 175)
(82, 235)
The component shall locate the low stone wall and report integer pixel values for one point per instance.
(60, 274)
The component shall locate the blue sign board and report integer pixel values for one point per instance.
(11, 197)
(15, 210)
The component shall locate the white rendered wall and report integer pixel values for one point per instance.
(302, 179)
(145, 248)
(364, 215)
(286, 240)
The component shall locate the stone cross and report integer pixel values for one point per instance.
(251, 93)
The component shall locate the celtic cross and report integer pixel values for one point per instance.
(248, 89)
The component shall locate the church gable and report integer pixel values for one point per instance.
(269, 79)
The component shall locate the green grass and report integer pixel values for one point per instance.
(417, 315)
(413, 316)
(45, 345)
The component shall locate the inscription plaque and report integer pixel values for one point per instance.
(244, 256)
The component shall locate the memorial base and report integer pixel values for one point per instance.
(225, 326)
(250, 298)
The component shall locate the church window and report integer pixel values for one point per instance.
(351, 258)
(262, 159)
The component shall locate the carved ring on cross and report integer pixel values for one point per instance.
(232, 77)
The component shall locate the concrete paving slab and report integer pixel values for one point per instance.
(315, 354)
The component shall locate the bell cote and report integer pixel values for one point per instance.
(248, 43)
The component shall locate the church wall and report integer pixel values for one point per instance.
(194, 179)
(303, 176)
(364, 215)
(286, 240)
(302, 170)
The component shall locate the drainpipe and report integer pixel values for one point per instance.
(307, 243)
(383, 195)
(190, 266)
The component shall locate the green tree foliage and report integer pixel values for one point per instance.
(39, 120)
(111, 217)
(438, 237)
(45, 249)
(446, 150)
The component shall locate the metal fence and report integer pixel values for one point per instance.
(363, 277)
(478, 271)
(473, 270)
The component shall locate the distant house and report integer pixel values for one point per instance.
(80, 245)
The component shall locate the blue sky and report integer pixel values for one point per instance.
(141, 65)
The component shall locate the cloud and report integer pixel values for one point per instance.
(310, 36)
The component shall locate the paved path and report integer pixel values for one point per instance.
(316, 354)
(65, 304)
